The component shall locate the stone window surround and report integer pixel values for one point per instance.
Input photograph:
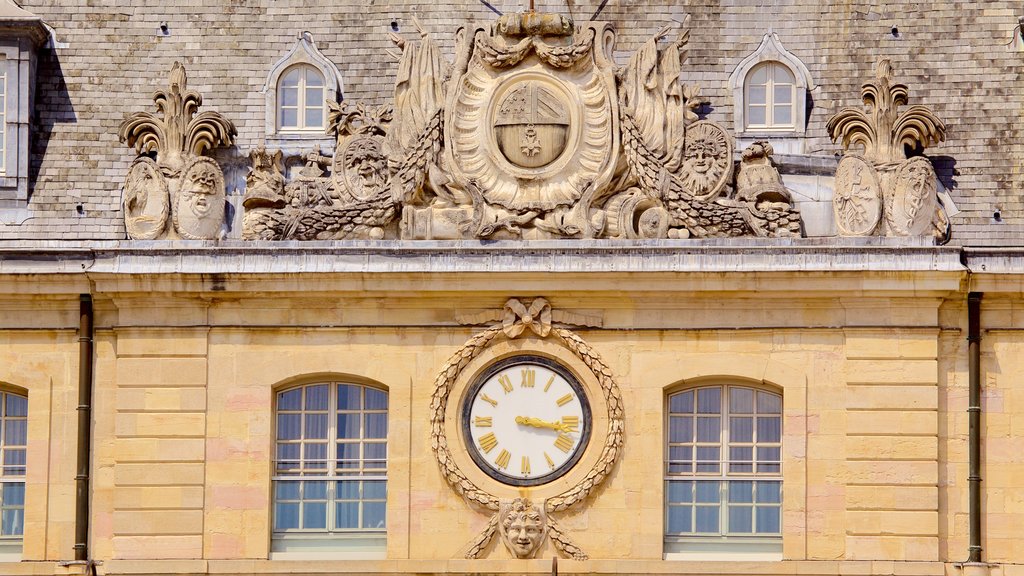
(303, 52)
(17, 61)
(771, 50)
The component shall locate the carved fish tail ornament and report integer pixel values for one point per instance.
(882, 191)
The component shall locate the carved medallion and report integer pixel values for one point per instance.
(363, 167)
(199, 206)
(857, 203)
(707, 159)
(532, 125)
(911, 204)
(145, 200)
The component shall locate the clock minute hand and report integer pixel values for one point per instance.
(538, 423)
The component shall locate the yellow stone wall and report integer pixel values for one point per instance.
(875, 424)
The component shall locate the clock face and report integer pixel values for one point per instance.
(526, 421)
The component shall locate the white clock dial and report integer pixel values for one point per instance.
(526, 421)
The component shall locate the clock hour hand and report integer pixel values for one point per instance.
(538, 423)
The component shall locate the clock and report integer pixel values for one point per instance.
(526, 420)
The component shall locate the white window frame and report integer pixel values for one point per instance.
(302, 105)
(11, 544)
(329, 542)
(715, 546)
(770, 124)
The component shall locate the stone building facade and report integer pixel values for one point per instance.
(461, 288)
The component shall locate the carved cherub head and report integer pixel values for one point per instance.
(523, 527)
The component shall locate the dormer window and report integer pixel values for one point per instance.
(770, 98)
(300, 98)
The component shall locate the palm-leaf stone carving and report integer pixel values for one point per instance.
(880, 127)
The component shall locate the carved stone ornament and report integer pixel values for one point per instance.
(530, 132)
(903, 191)
(171, 170)
(524, 523)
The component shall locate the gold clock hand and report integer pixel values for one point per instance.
(538, 423)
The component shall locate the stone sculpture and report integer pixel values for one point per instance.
(530, 132)
(882, 192)
(522, 526)
(759, 187)
(170, 176)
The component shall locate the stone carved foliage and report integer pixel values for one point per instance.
(522, 523)
(883, 192)
(171, 170)
(530, 132)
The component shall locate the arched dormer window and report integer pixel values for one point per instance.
(297, 90)
(770, 96)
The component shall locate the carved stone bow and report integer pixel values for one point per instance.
(518, 317)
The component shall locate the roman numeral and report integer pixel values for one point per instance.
(489, 400)
(505, 383)
(572, 423)
(483, 421)
(525, 469)
(563, 442)
(550, 380)
(550, 461)
(488, 442)
(564, 399)
(529, 378)
(502, 459)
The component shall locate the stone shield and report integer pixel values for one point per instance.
(857, 203)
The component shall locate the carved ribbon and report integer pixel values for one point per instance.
(518, 317)
(554, 56)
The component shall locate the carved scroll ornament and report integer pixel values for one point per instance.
(882, 192)
(171, 171)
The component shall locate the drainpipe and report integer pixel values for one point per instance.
(85, 341)
(974, 423)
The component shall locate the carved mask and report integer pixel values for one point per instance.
(199, 210)
(701, 154)
(523, 527)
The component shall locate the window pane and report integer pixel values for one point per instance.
(316, 397)
(768, 454)
(741, 519)
(373, 515)
(289, 426)
(782, 75)
(709, 429)
(314, 491)
(759, 76)
(314, 117)
(286, 516)
(16, 405)
(313, 77)
(741, 429)
(290, 400)
(680, 519)
(680, 453)
(316, 426)
(708, 492)
(376, 399)
(289, 117)
(741, 459)
(348, 490)
(769, 429)
(783, 114)
(348, 451)
(768, 520)
(756, 115)
(292, 76)
(13, 494)
(14, 432)
(707, 519)
(769, 403)
(314, 515)
(287, 455)
(783, 94)
(707, 458)
(14, 462)
(289, 97)
(741, 492)
(348, 397)
(681, 403)
(376, 426)
(347, 515)
(757, 96)
(315, 455)
(375, 490)
(680, 429)
(769, 492)
(375, 451)
(348, 425)
(286, 490)
(709, 400)
(680, 492)
(741, 401)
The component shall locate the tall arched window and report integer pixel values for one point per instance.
(770, 97)
(13, 440)
(300, 100)
(723, 470)
(330, 470)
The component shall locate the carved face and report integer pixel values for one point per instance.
(701, 154)
(523, 528)
(707, 159)
(199, 209)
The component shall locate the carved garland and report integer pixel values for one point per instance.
(516, 318)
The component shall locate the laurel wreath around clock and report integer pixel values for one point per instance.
(538, 319)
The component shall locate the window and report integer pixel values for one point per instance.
(3, 122)
(770, 88)
(300, 100)
(13, 436)
(330, 470)
(770, 97)
(723, 471)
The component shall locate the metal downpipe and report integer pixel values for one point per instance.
(974, 423)
(85, 354)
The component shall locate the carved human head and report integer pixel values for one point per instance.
(702, 153)
(523, 527)
(199, 210)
